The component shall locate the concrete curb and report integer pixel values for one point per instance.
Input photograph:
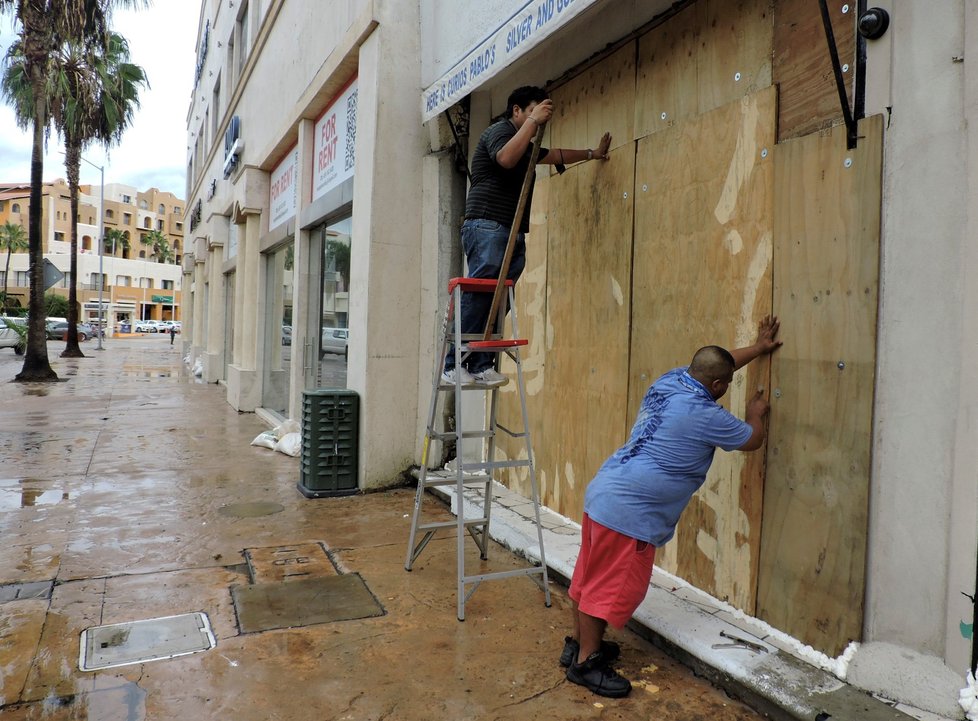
(683, 622)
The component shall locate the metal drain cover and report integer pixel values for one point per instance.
(153, 639)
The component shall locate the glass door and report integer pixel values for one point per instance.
(335, 304)
(279, 266)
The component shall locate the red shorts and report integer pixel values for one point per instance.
(612, 573)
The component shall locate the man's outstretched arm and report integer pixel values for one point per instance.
(767, 342)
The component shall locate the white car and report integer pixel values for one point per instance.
(146, 326)
(334, 340)
(9, 338)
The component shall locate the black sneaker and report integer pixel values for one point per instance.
(598, 677)
(610, 651)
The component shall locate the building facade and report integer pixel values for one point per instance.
(735, 189)
(136, 284)
(303, 211)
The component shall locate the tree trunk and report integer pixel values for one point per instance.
(36, 364)
(6, 278)
(72, 165)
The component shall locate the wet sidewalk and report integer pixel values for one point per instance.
(129, 491)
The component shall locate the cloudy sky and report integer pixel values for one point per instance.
(153, 151)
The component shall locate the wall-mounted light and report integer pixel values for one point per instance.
(873, 23)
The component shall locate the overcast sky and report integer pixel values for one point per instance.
(153, 151)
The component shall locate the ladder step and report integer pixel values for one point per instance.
(473, 480)
(450, 436)
(529, 571)
(487, 346)
(488, 466)
(476, 285)
(452, 524)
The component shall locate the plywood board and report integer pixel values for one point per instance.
(702, 275)
(586, 344)
(531, 315)
(665, 89)
(826, 248)
(599, 100)
(707, 55)
(802, 69)
(733, 57)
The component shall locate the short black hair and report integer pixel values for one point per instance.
(524, 96)
(712, 363)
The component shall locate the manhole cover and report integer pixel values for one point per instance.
(154, 639)
(288, 563)
(252, 509)
(303, 602)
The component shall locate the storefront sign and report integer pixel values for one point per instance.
(162, 298)
(333, 150)
(526, 29)
(282, 193)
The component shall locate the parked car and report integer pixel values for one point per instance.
(164, 325)
(286, 335)
(146, 326)
(10, 338)
(59, 331)
(334, 340)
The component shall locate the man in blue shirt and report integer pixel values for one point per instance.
(634, 502)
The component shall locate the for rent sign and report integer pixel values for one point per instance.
(524, 30)
(333, 149)
(284, 188)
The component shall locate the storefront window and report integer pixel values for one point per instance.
(335, 306)
(278, 331)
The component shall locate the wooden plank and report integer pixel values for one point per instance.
(733, 57)
(599, 100)
(588, 301)
(665, 90)
(826, 224)
(702, 275)
(707, 55)
(809, 100)
(531, 310)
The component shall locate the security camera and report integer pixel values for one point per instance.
(873, 23)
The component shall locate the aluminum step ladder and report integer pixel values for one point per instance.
(474, 474)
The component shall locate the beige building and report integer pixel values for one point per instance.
(136, 285)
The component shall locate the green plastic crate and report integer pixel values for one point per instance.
(330, 430)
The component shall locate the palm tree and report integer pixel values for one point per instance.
(115, 238)
(99, 93)
(160, 245)
(44, 25)
(13, 239)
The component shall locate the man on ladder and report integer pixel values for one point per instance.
(499, 166)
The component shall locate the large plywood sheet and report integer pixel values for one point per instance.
(826, 225)
(705, 56)
(582, 418)
(702, 275)
(802, 69)
(531, 316)
(599, 100)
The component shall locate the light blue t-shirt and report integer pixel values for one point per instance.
(644, 487)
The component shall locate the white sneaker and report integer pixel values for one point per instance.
(448, 377)
(490, 377)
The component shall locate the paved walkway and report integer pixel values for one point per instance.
(130, 491)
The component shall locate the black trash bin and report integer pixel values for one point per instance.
(330, 429)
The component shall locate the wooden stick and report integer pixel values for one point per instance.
(513, 232)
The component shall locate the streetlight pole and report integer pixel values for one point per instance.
(101, 248)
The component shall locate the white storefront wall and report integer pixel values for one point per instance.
(292, 157)
(924, 505)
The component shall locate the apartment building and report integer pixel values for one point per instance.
(138, 281)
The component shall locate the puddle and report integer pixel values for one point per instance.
(11, 498)
(252, 509)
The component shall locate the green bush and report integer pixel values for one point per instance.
(55, 306)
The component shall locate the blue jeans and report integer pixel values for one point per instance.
(484, 243)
